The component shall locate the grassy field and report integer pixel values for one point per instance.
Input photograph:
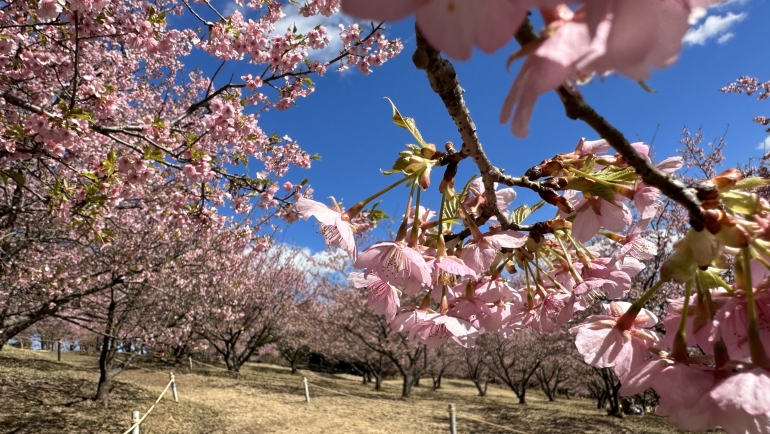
(40, 395)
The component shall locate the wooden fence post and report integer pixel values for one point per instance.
(189, 358)
(135, 419)
(452, 419)
(173, 387)
(58, 351)
(307, 391)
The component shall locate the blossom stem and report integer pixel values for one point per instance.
(358, 206)
(580, 245)
(757, 350)
(625, 322)
(401, 234)
(569, 262)
(557, 284)
(529, 290)
(416, 225)
(721, 357)
(679, 352)
(440, 244)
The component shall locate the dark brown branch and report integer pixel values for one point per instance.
(443, 80)
(577, 108)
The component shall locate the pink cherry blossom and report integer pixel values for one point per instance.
(435, 329)
(604, 344)
(480, 254)
(383, 297)
(397, 264)
(594, 213)
(335, 224)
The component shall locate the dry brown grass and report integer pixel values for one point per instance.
(39, 395)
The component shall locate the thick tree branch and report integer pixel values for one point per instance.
(443, 80)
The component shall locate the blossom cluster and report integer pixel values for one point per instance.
(494, 278)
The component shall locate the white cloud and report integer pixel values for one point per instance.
(764, 145)
(715, 26)
(695, 15)
(230, 9)
(732, 2)
(724, 38)
(304, 25)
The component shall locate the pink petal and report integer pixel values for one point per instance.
(585, 225)
(307, 207)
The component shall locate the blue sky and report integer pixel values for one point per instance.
(347, 120)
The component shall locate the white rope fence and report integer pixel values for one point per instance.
(453, 415)
(138, 421)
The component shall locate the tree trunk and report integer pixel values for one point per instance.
(378, 382)
(482, 390)
(417, 381)
(106, 357)
(406, 390)
(294, 366)
(103, 388)
(523, 395)
(437, 381)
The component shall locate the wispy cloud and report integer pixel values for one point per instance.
(714, 27)
(724, 38)
(732, 3)
(764, 145)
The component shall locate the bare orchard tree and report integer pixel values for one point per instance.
(475, 361)
(515, 360)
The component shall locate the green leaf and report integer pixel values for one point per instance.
(450, 212)
(406, 123)
(749, 183)
(522, 212)
(627, 175)
(465, 192)
(79, 113)
(741, 202)
(602, 191)
(588, 165)
(99, 199)
(399, 166)
(580, 184)
(89, 175)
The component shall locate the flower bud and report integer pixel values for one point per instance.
(428, 150)
(551, 167)
(425, 179)
(557, 224)
(727, 179)
(711, 221)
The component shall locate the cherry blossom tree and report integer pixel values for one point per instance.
(374, 336)
(247, 298)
